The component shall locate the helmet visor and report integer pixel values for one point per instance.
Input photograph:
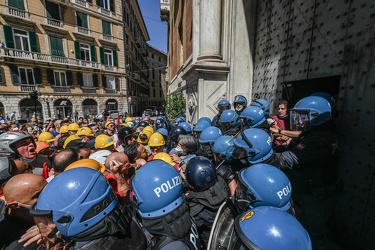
(222, 108)
(206, 147)
(299, 120)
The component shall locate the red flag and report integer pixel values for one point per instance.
(118, 118)
(45, 170)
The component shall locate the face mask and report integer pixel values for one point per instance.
(27, 160)
(179, 149)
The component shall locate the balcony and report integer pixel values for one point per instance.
(17, 13)
(110, 91)
(61, 89)
(105, 12)
(88, 90)
(107, 37)
(83, 30)
(109, 68)
(27, 88)
(55, 23)
(44, 58)
(81, 2)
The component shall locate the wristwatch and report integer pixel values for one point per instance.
(280, 131)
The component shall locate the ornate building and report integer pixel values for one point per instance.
(72, 53)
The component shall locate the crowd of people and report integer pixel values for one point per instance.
(242, 180)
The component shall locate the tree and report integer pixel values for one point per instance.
(176, 106)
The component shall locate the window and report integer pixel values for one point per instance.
(26, 76)
(56, 46)
(60, 78)
(18, 4)
(53, 10)
(85, 52)
(111, 82)
(82, 20)
(106, 26)
(108, 59)
(87, 80)
(21, 40)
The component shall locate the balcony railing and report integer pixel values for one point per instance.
(81, 2)
(110, 91)
(107, 37)
(27, 88)
(18, 13)
(34, 56)
(83, 30)
(109, 67)
(61, 89)
(105, 11)
(55, 23)
(88, 90)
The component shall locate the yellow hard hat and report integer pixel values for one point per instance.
(86, 163)
(144, 136)
(124, 125)
(73, 127)
(156, 140)
(85, 131)
(69, 139)
(149, 128)
(46, 137)
(164, 157)
(103, 141)
(128, 119)
(33, 119)
(107, 123)
(64, 129)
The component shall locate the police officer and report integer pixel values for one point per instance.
(311, 163)
(221, 107)
(239, 103)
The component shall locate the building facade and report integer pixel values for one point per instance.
(71, 52)
(286, 50)
(157, 68)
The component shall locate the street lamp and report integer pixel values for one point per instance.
(48, 99)
(34, 95)
(130, 105)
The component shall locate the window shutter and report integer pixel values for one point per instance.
(16, 4)
(82, 20)
(115, 59)
(101, 50)
(14, 74)
(54, 49)
(1, 75)
(38, 76)
(111, 5)
(69, 78)
(93, 52)
(77, 50)
(95, 80)
(60, 47)
(80, 79)
(50, 77)
(117, 83)
(33, 41)
(104, 82)
(99, 3)
(8, 33)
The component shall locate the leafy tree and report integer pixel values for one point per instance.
(176, 106)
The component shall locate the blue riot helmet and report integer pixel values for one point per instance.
(201, 125)
(160, 122)
(223, 105)
(157, 188)
(229, 119)
(263, 104)
(200, 173)
(310, 111)
(82, 205)
(241, 100)
(186, 126)
(328, 97)
(264, 185)
(221, 145)
(163, 132)
(270, 228)
(179, 119)
(252, 117)
(207, 139)
(205, 118)
(252, 146)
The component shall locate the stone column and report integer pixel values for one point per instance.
(210, 30)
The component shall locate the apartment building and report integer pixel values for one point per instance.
(62, 56)
(157, 67)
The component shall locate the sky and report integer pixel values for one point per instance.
(157, 29)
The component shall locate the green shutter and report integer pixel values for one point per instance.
(80, 79)
(102, 59)
(82, 20)
(95, 80)
(53, 10)
(1, 75)
(16, 4)
(111, 5)
(117, 83)
(38, 76)
(93, 52)
(8, 33)
(33, 41)
(106, 28)
(50, 77)
(69, 78)
(14, 74)
(104, 82)
(60, 47)
(77, 50)
(115, 59)
(54, 48)
(99, 3)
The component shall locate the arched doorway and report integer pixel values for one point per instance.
(89, 108)
(111, 104)
(63, 108)
(27, 109)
